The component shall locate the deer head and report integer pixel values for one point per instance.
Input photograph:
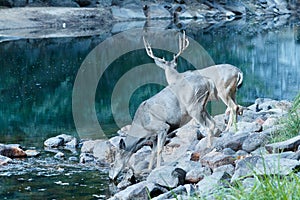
(161, 62)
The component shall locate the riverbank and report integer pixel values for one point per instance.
(189, 168)
(45, 22)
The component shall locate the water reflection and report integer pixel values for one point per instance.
(37, 76)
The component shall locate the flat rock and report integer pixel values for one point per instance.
(288, 145)
(216, 159)
(268, 165)
(32, 153)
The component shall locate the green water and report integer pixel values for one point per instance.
(36, 82)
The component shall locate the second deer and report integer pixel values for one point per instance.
(227, 78)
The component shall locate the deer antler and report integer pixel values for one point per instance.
(150, 52)
(183, 44)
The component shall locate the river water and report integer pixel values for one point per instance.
(36, 83)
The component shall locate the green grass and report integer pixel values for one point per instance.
(265, 187)
(291, 123)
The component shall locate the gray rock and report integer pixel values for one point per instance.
(253, 141)
(157, 11)
(196, 175)
(216, 159)
(73, 159)
(72, 144)
(100, 150)
(233, 141)
(137, 191)
(240, 153)
(261, 151)
(65, 137)
(59, 155)
(211, 183)
(228, 151)
(288, 145)
(132, 12)
(187, 133)
(164, 176)
(170, 195)
(127, 180)
(268, 165)
(54, 142)
(247, 127)
(248, 183)
(229, 169)
(139, 161)
(88, 146)
(86, 158)
(4, 160)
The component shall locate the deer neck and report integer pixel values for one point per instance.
(171, 75)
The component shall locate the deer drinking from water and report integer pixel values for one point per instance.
(170, 108)
(227, 78)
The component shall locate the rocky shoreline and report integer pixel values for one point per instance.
(35, 19)
(189, 168)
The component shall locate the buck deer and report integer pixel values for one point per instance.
(227, 78)
(170, 108)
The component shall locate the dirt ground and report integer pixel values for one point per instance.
(43, 22)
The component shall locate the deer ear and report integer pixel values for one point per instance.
(122, 144)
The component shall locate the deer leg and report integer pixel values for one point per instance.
(154, 149)
(161, 138)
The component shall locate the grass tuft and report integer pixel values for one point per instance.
(291, 123)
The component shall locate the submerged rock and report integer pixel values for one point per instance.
(12, 151)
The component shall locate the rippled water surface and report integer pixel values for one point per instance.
(36, 82)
